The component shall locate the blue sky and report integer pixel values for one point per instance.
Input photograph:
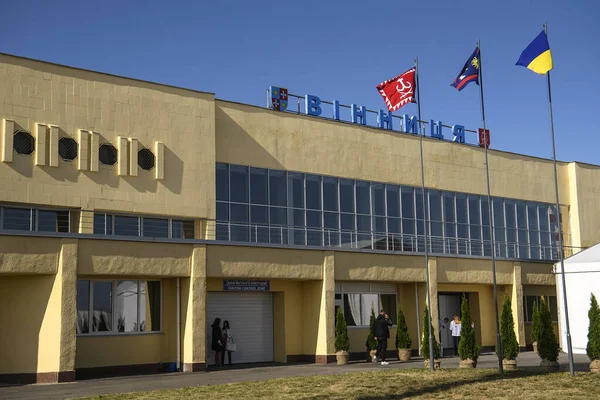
(341, 50)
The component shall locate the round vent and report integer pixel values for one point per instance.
(23, 143)
(107, 154)
(67, 148)
(145, 159)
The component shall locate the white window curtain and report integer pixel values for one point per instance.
(354, 303)
(369, 302)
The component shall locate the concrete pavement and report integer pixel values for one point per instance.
(241, 374)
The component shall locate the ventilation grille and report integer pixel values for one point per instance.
(67, 148)
(146, 159)
(23, 143)
(107, 154)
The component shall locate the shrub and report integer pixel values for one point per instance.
(593, 345)
(547, 344)
(371, 343)
(535, 323)
(467, 348)
(425, 341)
(508, 339)
(402, 338)
(342, 343)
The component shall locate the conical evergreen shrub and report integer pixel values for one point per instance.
(508, 338)
(593, 345)
(535, 322)
(547, 344)
(342, 342)
(402, 337)
(371, 343)
(468, 349)
(425, 340)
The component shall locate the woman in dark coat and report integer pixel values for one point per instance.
(217, 341)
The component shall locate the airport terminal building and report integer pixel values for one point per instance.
(132, 214)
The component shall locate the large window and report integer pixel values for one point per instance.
(357, 300)
(293, 208)
(529, 303)
(127, 225)
(122, 306)
(31, 219)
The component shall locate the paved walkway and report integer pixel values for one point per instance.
(178, 380)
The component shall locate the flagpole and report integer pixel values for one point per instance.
(423, 194)
(560, 235)
(492, 231)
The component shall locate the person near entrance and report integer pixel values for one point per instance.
(218, 344)
(381, 332)
(455, 328)
(230, 345)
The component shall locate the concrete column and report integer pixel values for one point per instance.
(57, 342)
(326, 324)
(86, 221)
(433, 287)
(193, 313)
(517, 305)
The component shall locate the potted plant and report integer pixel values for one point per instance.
(403, 341)
(593, 345)
(468, 349)
(535, 326)
(371, 343)
(547, 344)
(508, 338)
(425, 343)
(342, 343)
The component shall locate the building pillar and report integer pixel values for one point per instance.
(193, 313)
(57, 342)
(326, 325)
(433, 288)
(517, 306)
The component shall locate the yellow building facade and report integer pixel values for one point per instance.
(133, 213)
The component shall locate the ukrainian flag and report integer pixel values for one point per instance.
(537, 56)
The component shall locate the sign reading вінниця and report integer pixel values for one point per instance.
(358, 114)
(246, 286)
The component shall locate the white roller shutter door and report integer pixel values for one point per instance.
(251, 318)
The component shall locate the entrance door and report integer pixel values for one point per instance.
(449, 304)
(250, 316)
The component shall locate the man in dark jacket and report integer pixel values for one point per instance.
(381, 331)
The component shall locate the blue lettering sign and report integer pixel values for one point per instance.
(359, 113)
(336, 110)
(384, 120)
(435, 129)
(410, 124)
(312, 105)
(459, 133)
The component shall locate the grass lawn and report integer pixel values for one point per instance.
(397, 384)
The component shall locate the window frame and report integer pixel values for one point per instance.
(114, 320)
(140, 219)
(34, 217)
(341, 302)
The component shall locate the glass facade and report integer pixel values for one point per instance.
(283, 207)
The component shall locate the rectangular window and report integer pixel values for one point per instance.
(258, 215)
(408, 203)
(330, 194)
(258, 186)
(363, 198)
(529, 303)
(392, 193)
(222, 182)
(53, 221)
(296, 190)
(127, 226)
(378, 196)
(155, 227)
(277, 188)
(346, 196)
(313, 192)
(182, 229)
(18, 219)
(461, 208)
(358, 307)
(136, 306)
(435, 205)
(238, 184)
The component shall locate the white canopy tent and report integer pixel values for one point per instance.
(582, 276)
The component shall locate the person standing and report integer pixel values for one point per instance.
(382, 334)
(217, 341)
(455, 328)
(230, 345)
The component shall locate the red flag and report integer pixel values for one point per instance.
(399, 91)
